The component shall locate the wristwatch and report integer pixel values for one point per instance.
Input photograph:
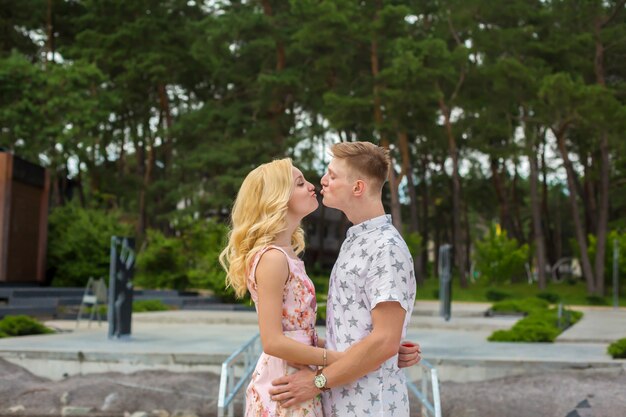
(320, 381)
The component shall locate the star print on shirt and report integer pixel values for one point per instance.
(398, 265)
(380, 271)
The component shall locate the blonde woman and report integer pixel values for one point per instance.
(262, 257)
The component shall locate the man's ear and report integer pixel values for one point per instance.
(358, 189)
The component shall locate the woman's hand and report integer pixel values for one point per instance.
(409, 354)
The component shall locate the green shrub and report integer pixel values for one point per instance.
(414, 243)
(435, 294)
(596, 300)
(526, 334)
(321, 284)
(499, 258)
(79, 243)
(617, 349)
(550, 297)
(184, 261)
(141, 306)
(22, 326)
(541, 325)
(496, 295)
(162, 264)
(527, 305)
(102, 309)
(321, 314)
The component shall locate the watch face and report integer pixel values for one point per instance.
(320, 381)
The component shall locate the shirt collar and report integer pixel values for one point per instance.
(368, 226)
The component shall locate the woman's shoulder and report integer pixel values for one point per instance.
(272, 258)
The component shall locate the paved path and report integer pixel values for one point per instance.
(597, 326)
(182, 340)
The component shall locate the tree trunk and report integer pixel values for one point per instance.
(540, 250)
(589, 200)
(518, 232)
(407, 167)
(551, 244)
(425, 218)
(603, 216)
(603, 208)
(166, 115)
(396, 214)
(580, 233)
(496, 179)
(457, 232)
(277, 106)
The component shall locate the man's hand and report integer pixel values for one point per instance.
(409, 354)
(294, 389)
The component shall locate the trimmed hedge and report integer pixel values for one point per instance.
(617, 349)
(550, 297)
(21, 326)
(540, 325)
(139, 306)
(496, 295)
(142, 306)
(526, 305)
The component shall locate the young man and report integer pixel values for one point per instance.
(370, 299)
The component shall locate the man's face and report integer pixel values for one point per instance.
(337, 184)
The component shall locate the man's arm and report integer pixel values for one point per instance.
(362, 358)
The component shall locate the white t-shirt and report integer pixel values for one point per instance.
(374, 265)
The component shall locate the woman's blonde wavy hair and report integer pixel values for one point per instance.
(259, 214)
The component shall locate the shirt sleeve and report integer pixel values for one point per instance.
(391, 277)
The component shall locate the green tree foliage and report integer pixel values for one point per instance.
(500, 258)
(79, 243)
(189, 260)
(158, 109)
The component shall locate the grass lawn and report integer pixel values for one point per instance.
(570, 294)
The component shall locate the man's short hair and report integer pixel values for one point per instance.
(366, 158)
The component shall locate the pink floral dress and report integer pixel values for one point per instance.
(298, 319)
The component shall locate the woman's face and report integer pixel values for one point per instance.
(303, 200)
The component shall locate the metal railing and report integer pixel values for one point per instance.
(428, 396)
(230, 385)
(230, 382)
